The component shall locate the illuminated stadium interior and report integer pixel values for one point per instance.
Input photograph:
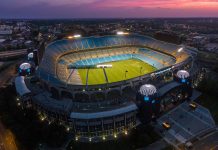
(127, 63)
(73, 62)
(120, 70)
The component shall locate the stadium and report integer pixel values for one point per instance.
(75, 63)
(90, 84)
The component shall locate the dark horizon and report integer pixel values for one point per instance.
(106, 18)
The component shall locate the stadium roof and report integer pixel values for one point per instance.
(102, 114)
(52, 104)
(163, 90)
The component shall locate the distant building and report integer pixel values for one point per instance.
(212, 47)
(168, 36)
(2, 41)
(5, 30)
(28, 43)
(197, 41)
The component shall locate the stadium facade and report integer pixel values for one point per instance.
(106, 109)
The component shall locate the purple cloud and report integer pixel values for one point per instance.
(107, 8)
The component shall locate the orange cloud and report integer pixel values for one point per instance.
(182, 4)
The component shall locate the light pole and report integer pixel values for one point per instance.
(140, 72)
(126, 73)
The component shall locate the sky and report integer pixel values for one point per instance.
(107, 8)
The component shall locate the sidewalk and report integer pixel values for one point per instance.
(158, 145)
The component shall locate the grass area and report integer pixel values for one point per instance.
(117, 72)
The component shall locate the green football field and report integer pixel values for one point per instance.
(121, 70)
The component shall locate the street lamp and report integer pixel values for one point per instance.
(103, 138)
(180, 49)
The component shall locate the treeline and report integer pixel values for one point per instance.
(209, 87)
(29, 131)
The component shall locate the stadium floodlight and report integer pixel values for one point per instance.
(104, 66)
(74, 36)
(122, 33)
(180, 49)
(70, 37)
(77, 36)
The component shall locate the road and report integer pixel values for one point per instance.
(7, 54)
(7, 140)
(210, 142)
(158, 145)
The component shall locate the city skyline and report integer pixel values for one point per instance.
(108, 8)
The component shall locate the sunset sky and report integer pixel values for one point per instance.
(107, 8)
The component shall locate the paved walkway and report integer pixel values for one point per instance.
(186, 124)
(209, 142)
(158, 145)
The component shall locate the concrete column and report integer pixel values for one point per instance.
(121, 91)
(73, 95)
(89, 96)
(125, 120)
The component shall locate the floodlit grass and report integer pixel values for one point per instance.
(117, 72)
